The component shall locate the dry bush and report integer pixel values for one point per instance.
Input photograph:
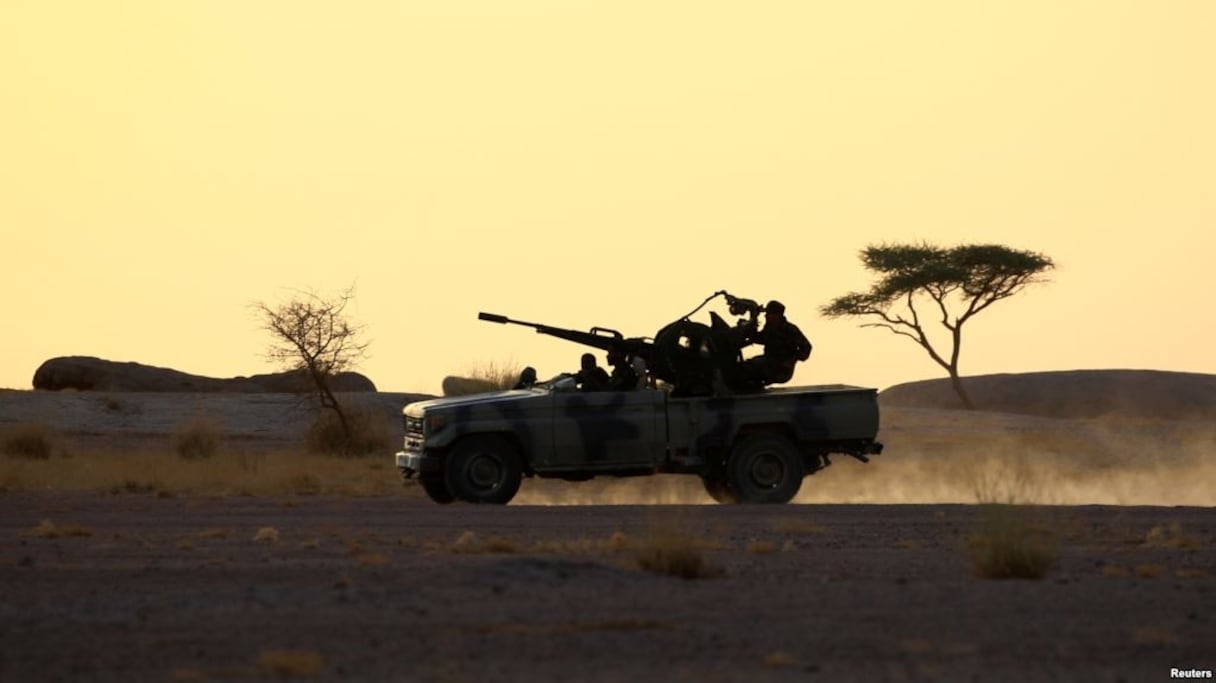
(290, 663)
(371, 433)
(31, 440)
(197, 439)
(484, 377)
(1009, 546)
(666, 548)
(266, 534)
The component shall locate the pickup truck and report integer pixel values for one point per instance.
(749, 448)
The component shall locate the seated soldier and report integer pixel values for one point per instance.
(591, 377)
(624, 377)
(527, 378)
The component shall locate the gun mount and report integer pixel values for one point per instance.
(693, 357)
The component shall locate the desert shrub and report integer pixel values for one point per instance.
(1008, 545)
(483, 377)
(197, 439)
(30, 440)
(370, 433)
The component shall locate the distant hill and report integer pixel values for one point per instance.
(1072, 393)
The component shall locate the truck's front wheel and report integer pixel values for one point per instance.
(718, 490)
(436, 489)
(764, 468)
(483, 469)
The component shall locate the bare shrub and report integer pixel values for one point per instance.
(364, 433)
(30, 440)
(197, 439)
(1008, 545)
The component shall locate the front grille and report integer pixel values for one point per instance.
(413, 426)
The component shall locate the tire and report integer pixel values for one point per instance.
(718, 490)
(483, 469)
(436, 489)
(764, 468)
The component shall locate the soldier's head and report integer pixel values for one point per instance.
(528, 376)
(774, 310)
(587, 361)
(615, 356)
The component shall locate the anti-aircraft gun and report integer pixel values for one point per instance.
(696, 359)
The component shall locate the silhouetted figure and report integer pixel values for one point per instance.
(624, 377)
(591, 377)
(527, 378)
(784, 345)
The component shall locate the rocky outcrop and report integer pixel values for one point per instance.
(85, 373)
(1152, 394)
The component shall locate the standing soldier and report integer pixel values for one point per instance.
(591, 377)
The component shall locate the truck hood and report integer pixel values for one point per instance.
(416, 409)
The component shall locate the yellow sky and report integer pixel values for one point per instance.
(164, 164)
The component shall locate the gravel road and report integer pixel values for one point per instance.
(133, 587)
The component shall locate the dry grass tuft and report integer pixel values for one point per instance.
(291, 663)
(1171, 536)
(1008, 546)
(197, 439)
(48, 529)
(667, 549)
(371, 560)
(266, 534)
(469, 542)
(1149, 571)
(779, 659)
(371, 433)
(761, 547)
(32, 441)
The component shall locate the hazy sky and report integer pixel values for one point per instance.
(165, 164)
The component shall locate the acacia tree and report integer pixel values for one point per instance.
(954, 283)
(312, 335)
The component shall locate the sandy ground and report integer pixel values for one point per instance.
(191, 586)
(395, 588)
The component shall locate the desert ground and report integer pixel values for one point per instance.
(122, 561)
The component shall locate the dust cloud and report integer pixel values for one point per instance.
(942, 456)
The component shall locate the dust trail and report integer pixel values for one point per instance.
(942, 456)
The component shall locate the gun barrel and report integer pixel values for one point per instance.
(494, 318)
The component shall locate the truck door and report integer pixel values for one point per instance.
(607, 430)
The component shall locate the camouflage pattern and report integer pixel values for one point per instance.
(576, 435)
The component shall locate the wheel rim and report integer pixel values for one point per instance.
(485, 472)
(767, 471)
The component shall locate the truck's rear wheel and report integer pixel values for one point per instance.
(435, 488)
(483, 469)
(718, 490)
(764, 468)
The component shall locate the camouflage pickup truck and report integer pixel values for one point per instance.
(752, 448)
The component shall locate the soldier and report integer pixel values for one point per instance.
(591, 377)
(624, 377)
(527, 378)
(784, 345)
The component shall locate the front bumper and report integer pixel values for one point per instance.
(417, 463)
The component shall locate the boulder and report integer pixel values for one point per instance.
(85, 373)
